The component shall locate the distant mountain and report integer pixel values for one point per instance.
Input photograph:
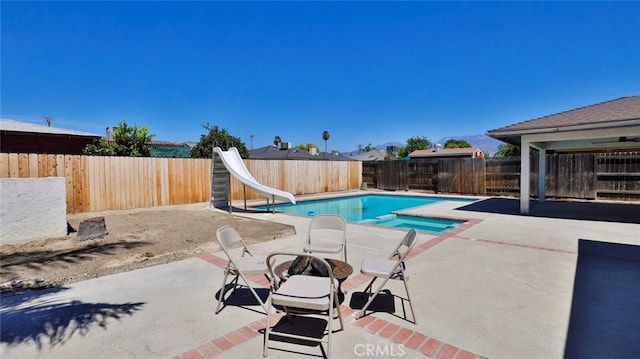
(383, 147)
(484, 142)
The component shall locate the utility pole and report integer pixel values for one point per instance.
(251, 140)
(48, 120)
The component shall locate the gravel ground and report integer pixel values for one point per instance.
(137, 238)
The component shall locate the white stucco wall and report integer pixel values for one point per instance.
(32, 208)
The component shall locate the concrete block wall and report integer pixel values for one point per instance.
(32, 209)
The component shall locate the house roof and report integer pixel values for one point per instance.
(332, 157)
(26, 127)
(445, 152)
(373, 155)
(274, 153)
(621, 112)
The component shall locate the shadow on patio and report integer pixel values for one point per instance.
(605, 309)
(589, 211)
(53, 323)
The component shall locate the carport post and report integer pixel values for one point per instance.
(525, 175)
(542, 167)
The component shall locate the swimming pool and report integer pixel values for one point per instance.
(371, 208)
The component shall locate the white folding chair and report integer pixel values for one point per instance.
(303, 295)
(239, 267)
(392, 268)
(323, 232)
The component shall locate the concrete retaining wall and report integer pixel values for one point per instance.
(32, 208)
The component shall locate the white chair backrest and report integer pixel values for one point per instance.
(405, 246)
(328, 221)
(227, 236)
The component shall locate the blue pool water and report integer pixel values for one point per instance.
(375, 209)
(427, 224)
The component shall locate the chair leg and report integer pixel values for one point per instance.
(255, 294)
(369, 286)
(265, 344)
(413, 313)
(222, 290)
(372, 297)
(335, 299)
(329, 325)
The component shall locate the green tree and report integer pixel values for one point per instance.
(307, 147)
(131, 141)
(368, 148)
(325, 137)
(217, 138)
(413, 144)
(507, 150)
(453, 143)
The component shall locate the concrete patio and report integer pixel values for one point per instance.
(500, 285)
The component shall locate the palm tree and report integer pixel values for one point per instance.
(277, 140)
(325, 137)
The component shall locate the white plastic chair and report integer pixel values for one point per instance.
(392, 268)
(303, 295)
(239, 267)
(323, 230)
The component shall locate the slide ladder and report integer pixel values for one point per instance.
(220, 184)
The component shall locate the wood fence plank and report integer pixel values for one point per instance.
(42, 165)
(118, 186)
(60, 166)
(111, 171)
(197, 181)
(144, 179)
(157, 190)
(186, 180)
(101, 174)
(126, 182)
(136, 197)
(23, 165)
(4, 165)
(144, 182)
(166, 194)
(68, 174)
(35, 163)
(132, 177)
(77, 183)
(86, 184)
(14, 168)
(105, 176)
(92, 164)
(93, 182)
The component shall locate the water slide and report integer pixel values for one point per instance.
(234, 164)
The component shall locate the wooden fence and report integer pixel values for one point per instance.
(300, 176)
(96, 183)
(580, 175)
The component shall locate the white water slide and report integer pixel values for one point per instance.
(234, 164)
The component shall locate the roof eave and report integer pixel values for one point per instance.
(513, 136)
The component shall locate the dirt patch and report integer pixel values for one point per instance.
(137, 239)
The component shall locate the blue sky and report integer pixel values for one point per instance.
(367, 72)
